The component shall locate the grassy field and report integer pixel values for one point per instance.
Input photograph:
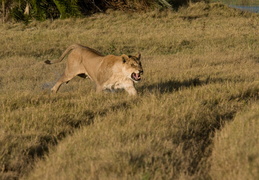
(198, 100)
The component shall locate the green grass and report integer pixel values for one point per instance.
(200, 71)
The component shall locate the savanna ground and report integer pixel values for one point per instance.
(196, 116)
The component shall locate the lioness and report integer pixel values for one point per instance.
(108, 72)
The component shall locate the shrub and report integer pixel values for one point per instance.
(52, 9)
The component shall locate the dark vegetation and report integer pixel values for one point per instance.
(26, 10)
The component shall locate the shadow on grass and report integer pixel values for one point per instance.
(197, 141)
(171, 86)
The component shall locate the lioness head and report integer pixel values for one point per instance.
(132, 67)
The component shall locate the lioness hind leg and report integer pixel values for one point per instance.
(63, 79)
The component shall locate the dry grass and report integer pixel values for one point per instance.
(201, 68)
(235, 153)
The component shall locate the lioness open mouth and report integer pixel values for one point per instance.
(136, 76)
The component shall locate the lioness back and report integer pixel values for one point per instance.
(89, 50)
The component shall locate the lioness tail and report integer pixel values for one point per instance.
(48, 62)
(63, 55)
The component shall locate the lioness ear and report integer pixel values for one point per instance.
(124, 58)
(138, 56)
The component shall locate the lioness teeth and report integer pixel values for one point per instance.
(136, 76)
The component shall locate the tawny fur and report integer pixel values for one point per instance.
(108, 72)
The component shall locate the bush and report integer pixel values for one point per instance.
(53, 9)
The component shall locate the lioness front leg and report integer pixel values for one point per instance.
(99, 88)
(131, 90)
